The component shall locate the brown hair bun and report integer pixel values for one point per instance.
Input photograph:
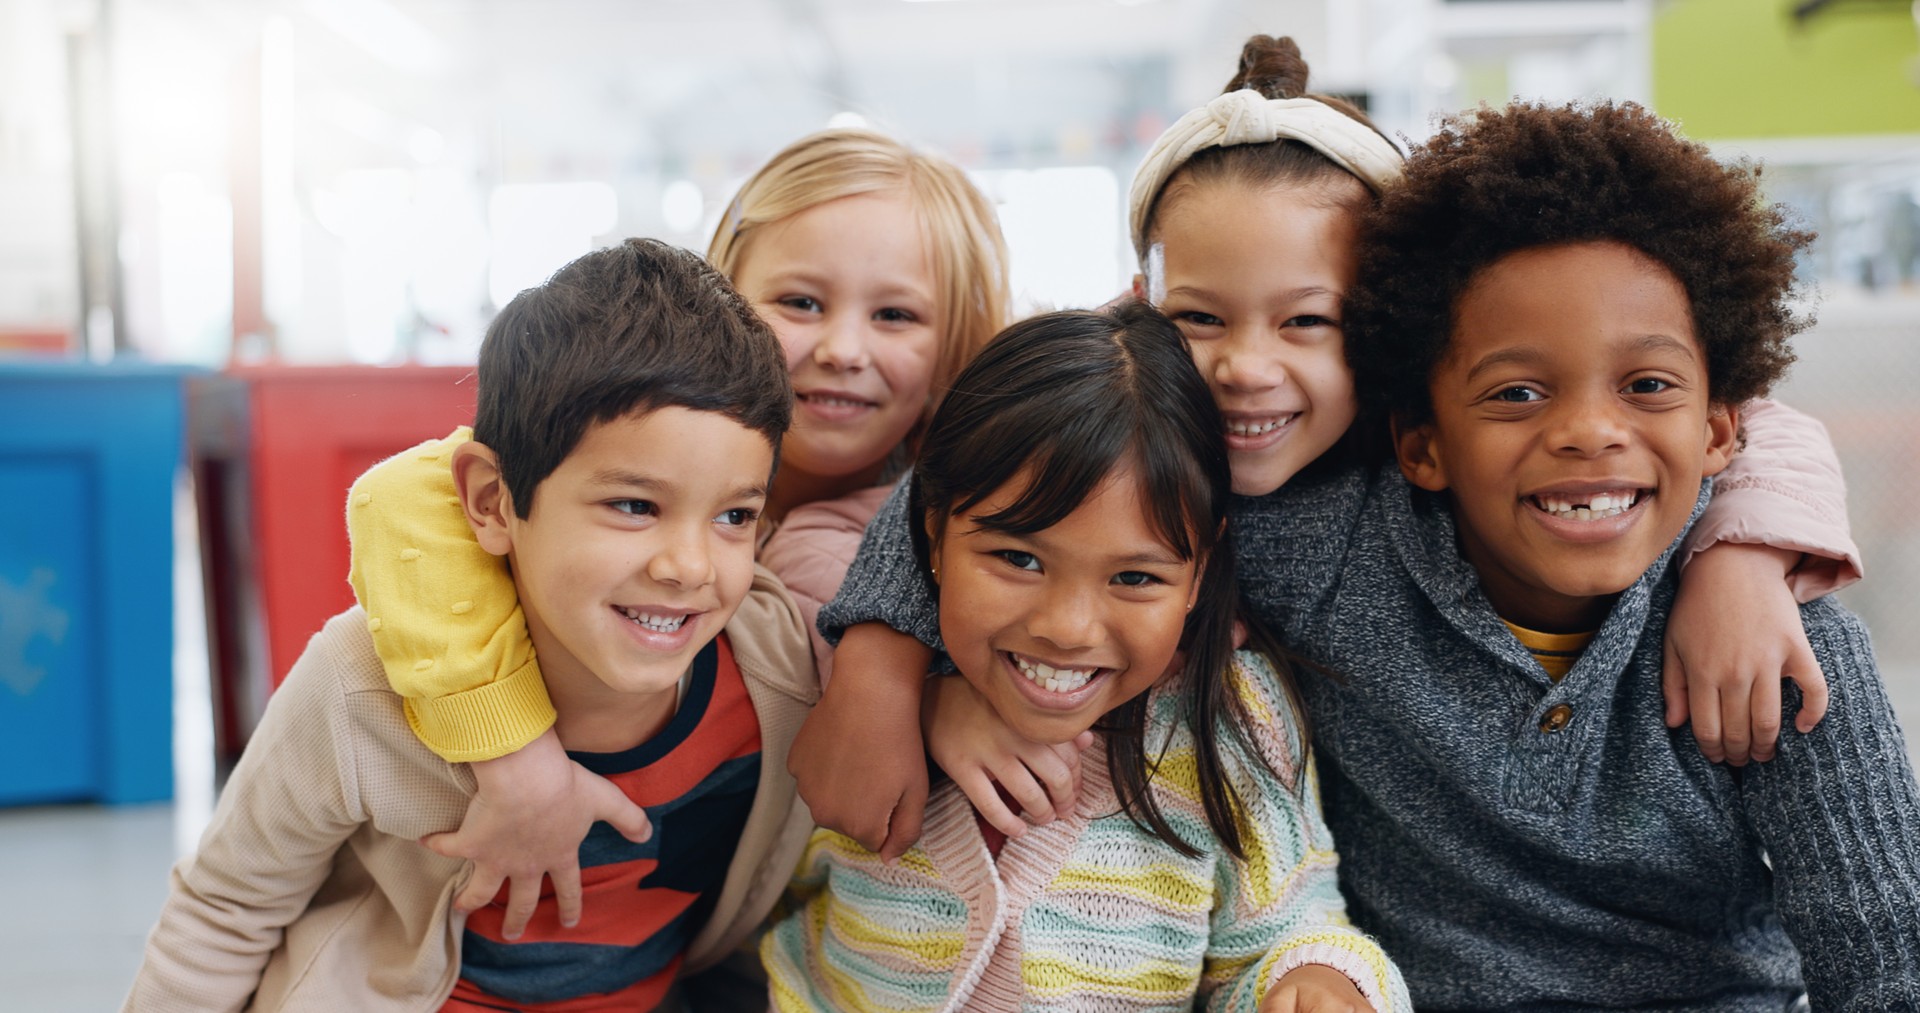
(1271, 66)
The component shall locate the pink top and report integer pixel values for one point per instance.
(1784, 489)
(810, 553)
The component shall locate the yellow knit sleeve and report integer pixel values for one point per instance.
(442, 610)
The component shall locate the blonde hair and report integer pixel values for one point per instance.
(968, 254)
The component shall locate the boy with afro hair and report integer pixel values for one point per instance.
(1559, 311)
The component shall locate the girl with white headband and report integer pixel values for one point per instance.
(1245, 215)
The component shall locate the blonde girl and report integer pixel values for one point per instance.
(882, 270)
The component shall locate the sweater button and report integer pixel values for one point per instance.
(1556, 718)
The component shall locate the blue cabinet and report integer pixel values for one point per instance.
(89, 458)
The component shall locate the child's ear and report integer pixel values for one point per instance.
(935, 532)
(484, 497)
(1419, 456)
(1723, 437)
(1140, 287)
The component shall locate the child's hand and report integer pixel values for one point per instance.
(1314, 988)
(969, 741)
(1734, 634)
(533, 809)
(857, 760)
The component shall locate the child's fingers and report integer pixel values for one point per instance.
(1804, 669)
(1766, 718)
(566, 893)
(1026, 789)
(1673, 686)
(904, 827)
(523, 894)
(978, 787)
(446, 845)
(1703, 701)
(479, 891)
(1736, 729)
(1056, 775)
(611, 805)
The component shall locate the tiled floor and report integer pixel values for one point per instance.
(80, 886)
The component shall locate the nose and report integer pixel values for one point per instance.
(1588, 424)
(1069, 618)
(1245, 364)
(843, 343)
(682, 559)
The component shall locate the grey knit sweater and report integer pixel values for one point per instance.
(1604, 864)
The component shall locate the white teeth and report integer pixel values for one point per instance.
(658, 624)
(837, 402)
(1596, 507)
(1058, 680)
(1237, 428)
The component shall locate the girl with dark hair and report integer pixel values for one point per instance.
(1071, 498)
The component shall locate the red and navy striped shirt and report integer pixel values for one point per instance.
(641, 903)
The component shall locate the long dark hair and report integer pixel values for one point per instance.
(1067, 397)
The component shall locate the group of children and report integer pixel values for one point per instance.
(1414, 505)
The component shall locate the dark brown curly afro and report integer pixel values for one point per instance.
(1493, 182)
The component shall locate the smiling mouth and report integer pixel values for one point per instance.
(1588, 507)
(652, 621)
(1259, 426)
(1051, 678)
(834, 401)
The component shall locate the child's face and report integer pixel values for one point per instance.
(1571, 426)
(1256, 280)
(640, 547)
(848, 288)
(1094, 605)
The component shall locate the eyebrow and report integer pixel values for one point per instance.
(806, 276)
(1528, 355)
(1162, 557)
(622, 478)
(1290, 295)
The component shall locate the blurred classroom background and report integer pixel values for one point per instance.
(247, 248)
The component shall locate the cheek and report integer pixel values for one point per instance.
(1205, 355)
(1329, 382)
(796, 340)
(907, 363)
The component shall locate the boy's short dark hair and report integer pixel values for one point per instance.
(635, 327)
(1491, 183)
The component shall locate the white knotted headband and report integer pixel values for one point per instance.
(1248, 117)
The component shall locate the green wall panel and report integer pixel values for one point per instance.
(1743, 68)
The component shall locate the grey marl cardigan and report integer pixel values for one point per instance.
(1604, 864)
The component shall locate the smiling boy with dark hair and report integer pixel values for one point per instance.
(630, 413)
(1559, 309)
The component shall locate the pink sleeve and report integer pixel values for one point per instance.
(810, 554)
(1784, 489)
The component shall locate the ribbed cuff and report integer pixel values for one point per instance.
(1347, 952)
(487, 722)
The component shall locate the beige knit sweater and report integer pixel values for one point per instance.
(309, 891)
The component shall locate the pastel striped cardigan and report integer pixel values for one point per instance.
(1089, 912)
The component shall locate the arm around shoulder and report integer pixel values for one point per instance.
(886, 583)
(1784, 489)
(444, 615)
